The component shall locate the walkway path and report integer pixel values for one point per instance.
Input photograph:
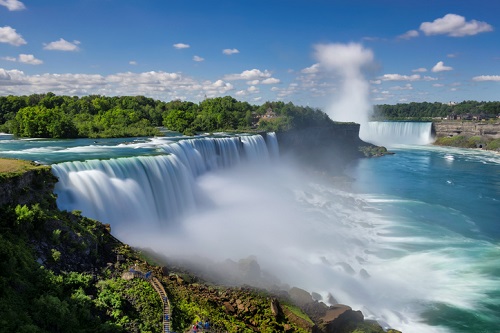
(158, 287)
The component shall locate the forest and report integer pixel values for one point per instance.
(95, 116)
(51, 116)
(427, 111)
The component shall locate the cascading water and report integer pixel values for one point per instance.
(151, 191)
(387, 133)
(413, 245)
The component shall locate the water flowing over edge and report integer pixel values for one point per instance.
(387, 133)
(154, 189)
(327, 241)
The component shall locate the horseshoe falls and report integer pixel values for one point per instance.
(388, 133)
(414, 243)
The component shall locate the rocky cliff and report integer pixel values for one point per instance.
(466, 128)
(329, 148)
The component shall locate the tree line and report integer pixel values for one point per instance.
(52, 116)
(426, 110)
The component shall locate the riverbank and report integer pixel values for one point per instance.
(467, 134)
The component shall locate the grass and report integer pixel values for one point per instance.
(298, 312)
(8, 165)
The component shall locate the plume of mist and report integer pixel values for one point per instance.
(352, 103)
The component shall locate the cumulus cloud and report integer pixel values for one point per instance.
(252, 74)
(62, 45)
(29, 59)
(399, 77)
(12, 5)
(159, 85)
(198, 58)
(180, 46)
(9, 58)
(230, 51)
(487, 78)
(271, 80)
(253, 89)
(407, 86)
(4, 75)
(409, 34)
(311, 70)
(440, 67)
(10, 36)
(420, 70)
(455, 26)
(132, 62)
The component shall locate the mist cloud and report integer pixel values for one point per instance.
(352, 103)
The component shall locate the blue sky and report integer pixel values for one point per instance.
(404, 50)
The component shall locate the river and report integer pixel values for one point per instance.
(414, 243)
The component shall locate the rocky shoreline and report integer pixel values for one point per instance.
(467, 134)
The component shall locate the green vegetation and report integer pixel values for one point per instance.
(51, 116)
(52, 277)
(12, 167)
(469, 142)
(62, 272)
(371, 151)
(427, 111)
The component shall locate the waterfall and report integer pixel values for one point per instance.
(397, 132)
(152, 190)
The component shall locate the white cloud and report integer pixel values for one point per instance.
(311, 70)
(252, 74)
(429, 78)
(407, 86)
(440, 67)
(376, 81)
(452, 55)
(230, 51)
(270, 80)
(12, 5)
(62, 45)
(399, 77)
(455, 26)
(29, 59)
(181, 46)
(437, 85)
(487, 78)
(409, 34)
(4, 76)
(253, 89)
(420, 70)
(159, 85)
(198, 58)
(9, 58)
(132, 62)
(10, 36)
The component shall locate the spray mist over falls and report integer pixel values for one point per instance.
(352, 102)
